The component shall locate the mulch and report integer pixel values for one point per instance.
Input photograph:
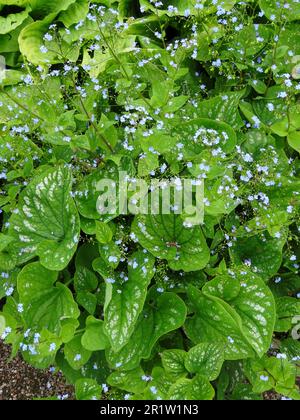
(18, 381)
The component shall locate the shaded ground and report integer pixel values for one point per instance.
(18, 381)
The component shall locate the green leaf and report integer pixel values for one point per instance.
(214, 321)
(166, 238)
(173, 362)
(225, 287)
(168, 315)
(197, 388)
(46, 223)
(68, 329)
(264, 254)
(206, 359)
(103, 268)
(161, 383)
(103, 233)
(43, 8)
(111, 254)
(19, 3)
(5, 240)
(131, 381)
(76, 355)
(45, 304)
(12, 21)
(87, 389)
(162, 143)
(75, 13)
(108, 132)
(147, 164)
(126, 8)
(259, 86)
(88, 226)
(32, 43)
(222, 108)
(94, 337)
(9, 42)
(175, 104)
(287, 286)
(44, 351)
(2, 324)
(294, 140)
(269, 373)
(201, 134)
(291, 347)
(283, 9)
(243, 392)
(288, 309)
(87, 194)
(85, 280)
(254, 304)
(87, 300)
(127, 301)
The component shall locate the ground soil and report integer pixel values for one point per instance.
(18, 381)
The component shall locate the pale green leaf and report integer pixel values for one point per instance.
(94, 337)
(75, 13)
(12, 21)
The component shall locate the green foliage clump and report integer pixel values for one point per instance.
(147, 306)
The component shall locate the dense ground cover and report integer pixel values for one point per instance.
(152, 306)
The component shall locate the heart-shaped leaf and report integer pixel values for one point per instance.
(46, 222)
(45, 304)
(173, 362)
(254, 304)
(76, 355)
(197, 388)
(168, 315)
(166, 237)
(215, 321)
(264, 255)
(203, 135)
(206, 359)
(94, 337)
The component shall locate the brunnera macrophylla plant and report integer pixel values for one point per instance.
(144, 305)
